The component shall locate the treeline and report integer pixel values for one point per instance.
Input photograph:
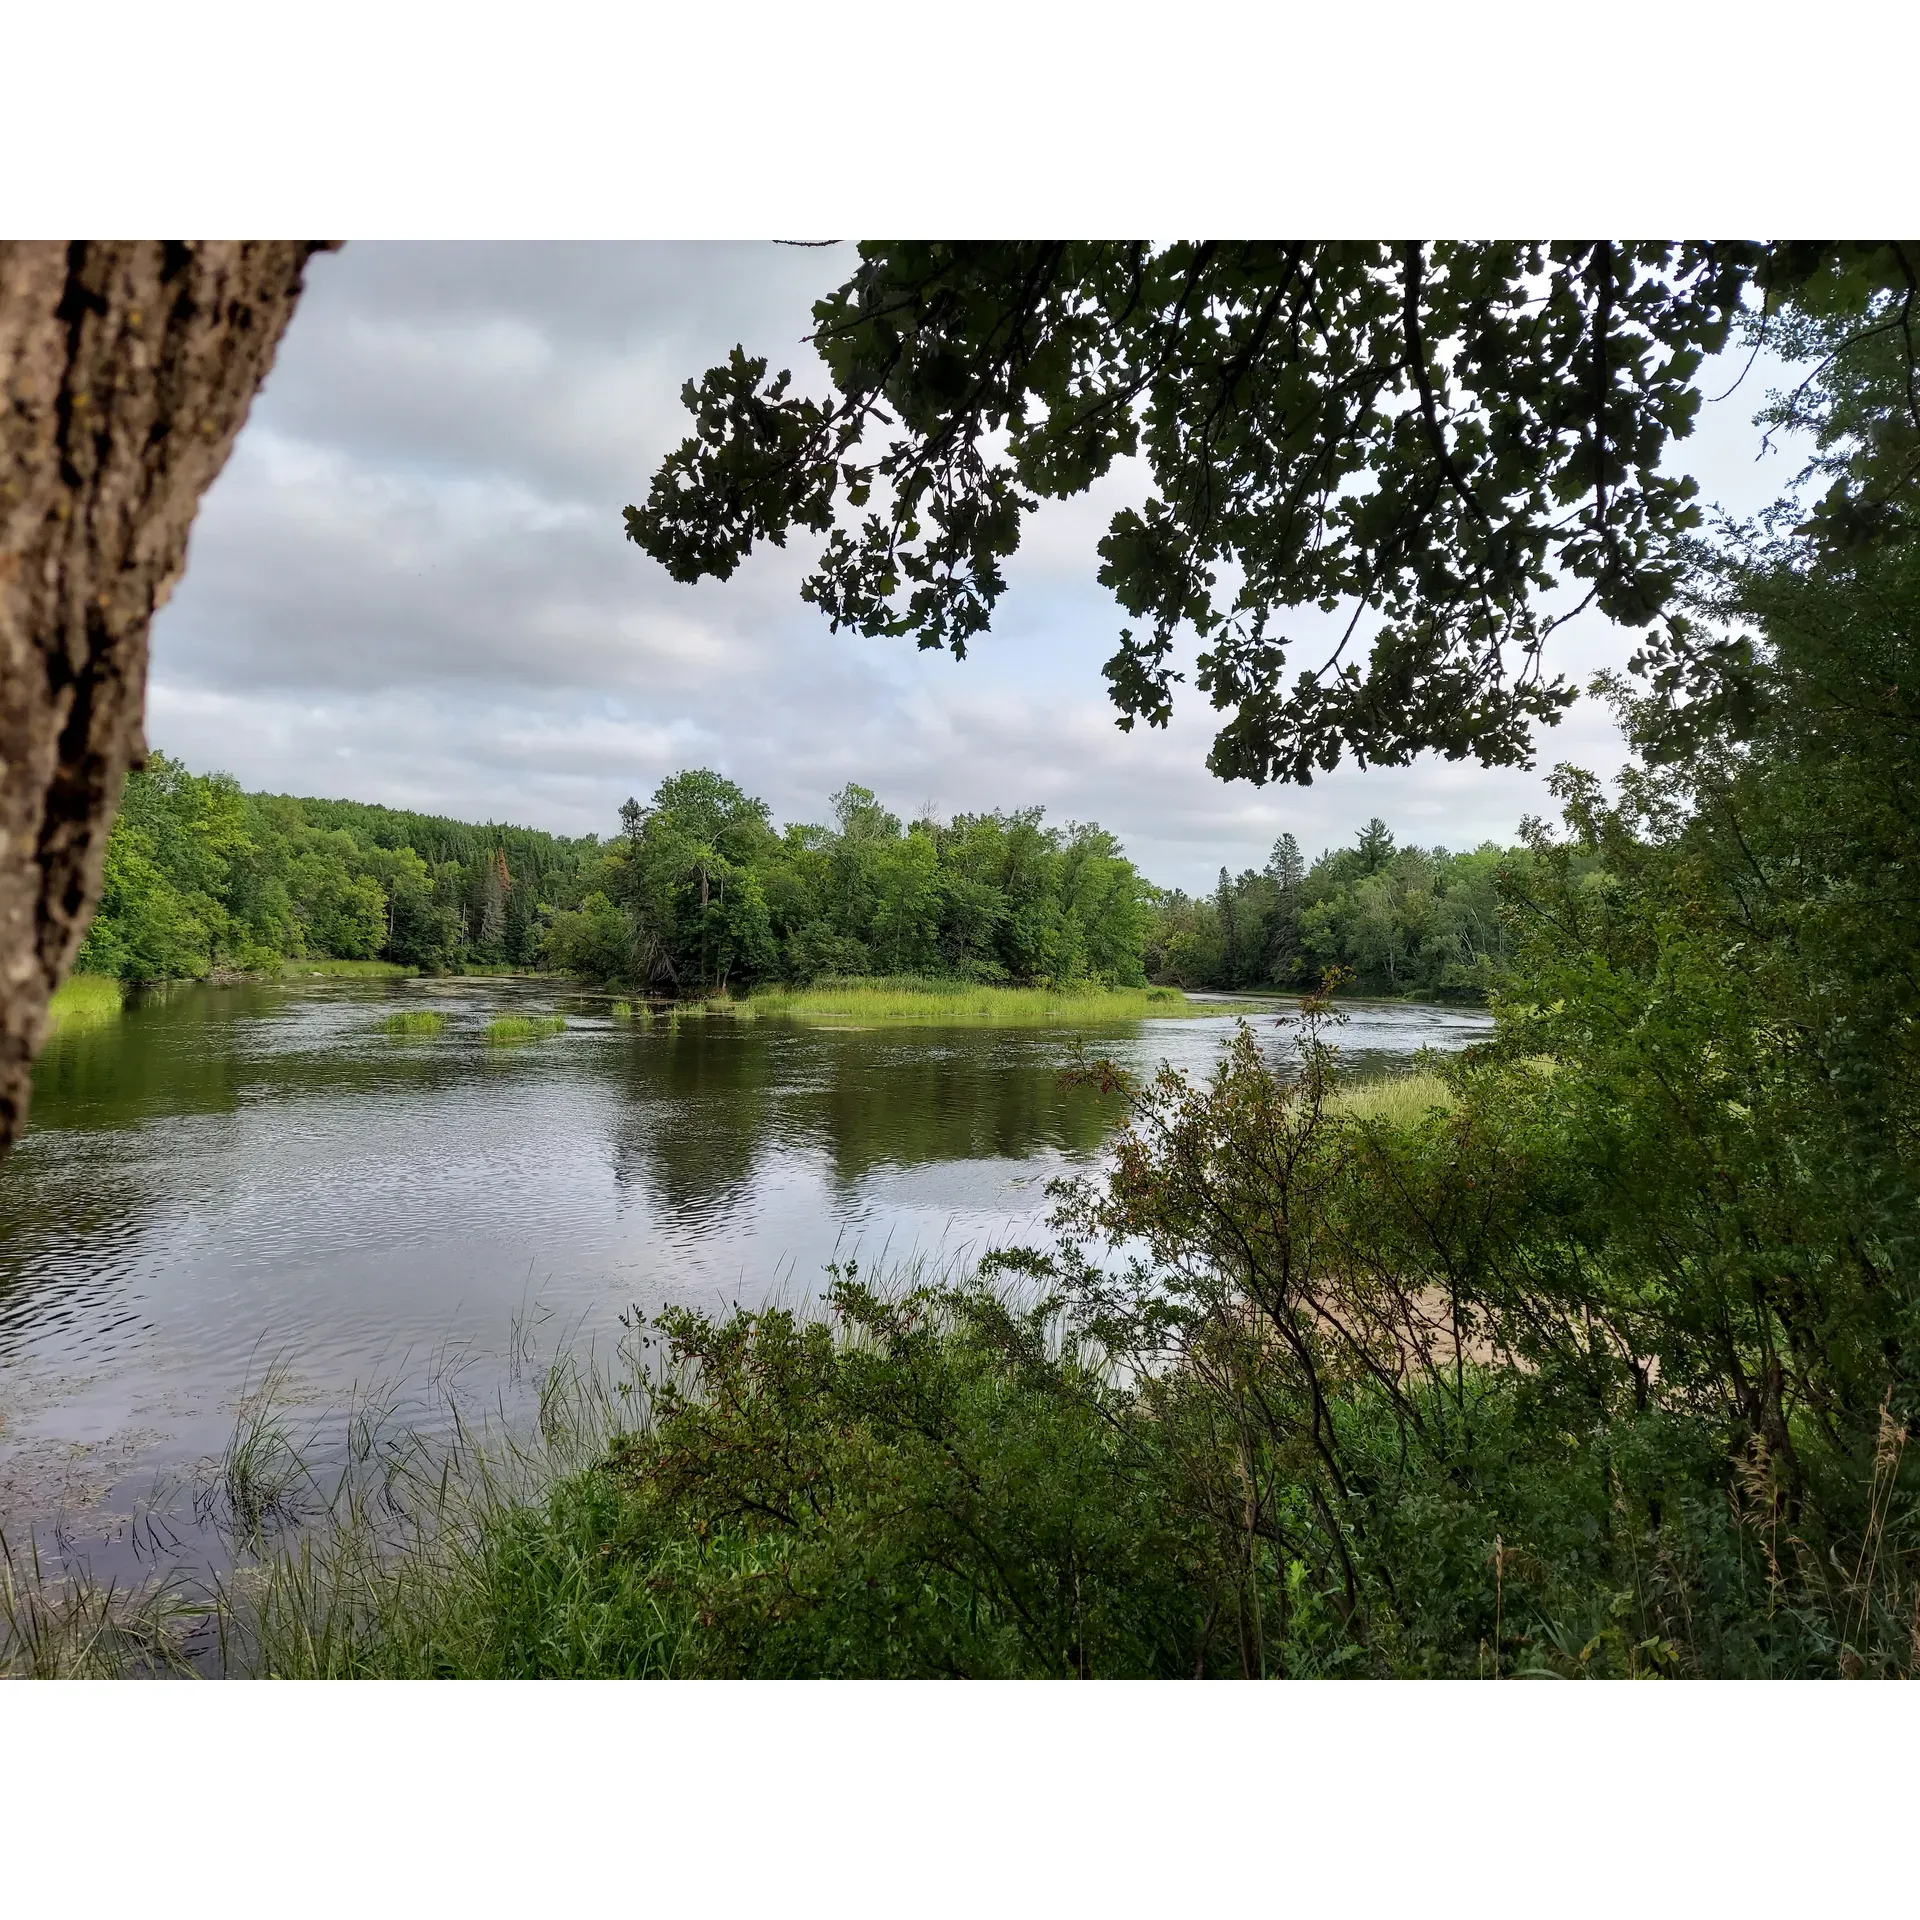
(700, 894)
(1399, 919)
(697, 894)
(203, 878)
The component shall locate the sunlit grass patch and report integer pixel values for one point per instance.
(422, 1020)
(936, 1002)
(511, 1027)
(87, 1000)
(1398, 1102)
(345, 970)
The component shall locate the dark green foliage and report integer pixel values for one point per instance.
(700, 895)
(922, 1485)
(1397, 920)
(202, 877)
(1420, 440)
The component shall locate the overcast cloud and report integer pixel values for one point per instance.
(412, 585)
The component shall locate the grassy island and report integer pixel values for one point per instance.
(515, 1027)
(936, 1002)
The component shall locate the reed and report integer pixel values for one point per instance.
(344, 970)
(87, 1000)
(424, 1021)
(515, 1027)
(953, 1002)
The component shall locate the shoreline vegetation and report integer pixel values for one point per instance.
(597, 1539)
(699, 896)
(85, 1000)
(884, 1001)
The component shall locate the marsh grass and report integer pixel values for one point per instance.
(422, 1021)
(416, 1566)
(516, 1547)
(263, 1473)
(86, 1000)
(1400, 1101)
(511, 1028)
(950, 1002)
(58, 1629)
(345, 970)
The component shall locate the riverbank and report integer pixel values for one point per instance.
(936, 1002)
(451, 1189)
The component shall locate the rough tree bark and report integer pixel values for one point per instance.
(126, 370)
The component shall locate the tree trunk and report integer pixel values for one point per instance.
(126, 370)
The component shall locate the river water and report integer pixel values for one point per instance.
(227, 1179)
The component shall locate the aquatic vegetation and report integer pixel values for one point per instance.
(513, 1027)
(262, 1468)
(58, 1629)
(344, 970)
(86, 1000)
(948, 1001)
(621, 1010)
(421, 1020)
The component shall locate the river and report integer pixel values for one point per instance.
(230, 1178)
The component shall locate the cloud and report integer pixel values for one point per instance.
(412, 585)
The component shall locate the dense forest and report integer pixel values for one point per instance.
(203, 878)
(699, 893)
(1399, 920)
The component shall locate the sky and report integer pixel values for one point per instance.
(412, 585)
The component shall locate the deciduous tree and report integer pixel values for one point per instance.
(126, 370)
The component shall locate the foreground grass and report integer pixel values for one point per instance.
(937, 1002)
(932, 1482)
(87, 1000)
(423, 1021)
(515, 1027)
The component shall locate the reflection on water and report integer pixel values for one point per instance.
(226, 1174)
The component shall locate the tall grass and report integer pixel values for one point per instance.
(1398, 1102)
(58, 1629)
(515, 1027)
(422, 1020)
(950, 1002)
(87, 1000)
(345, 970)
